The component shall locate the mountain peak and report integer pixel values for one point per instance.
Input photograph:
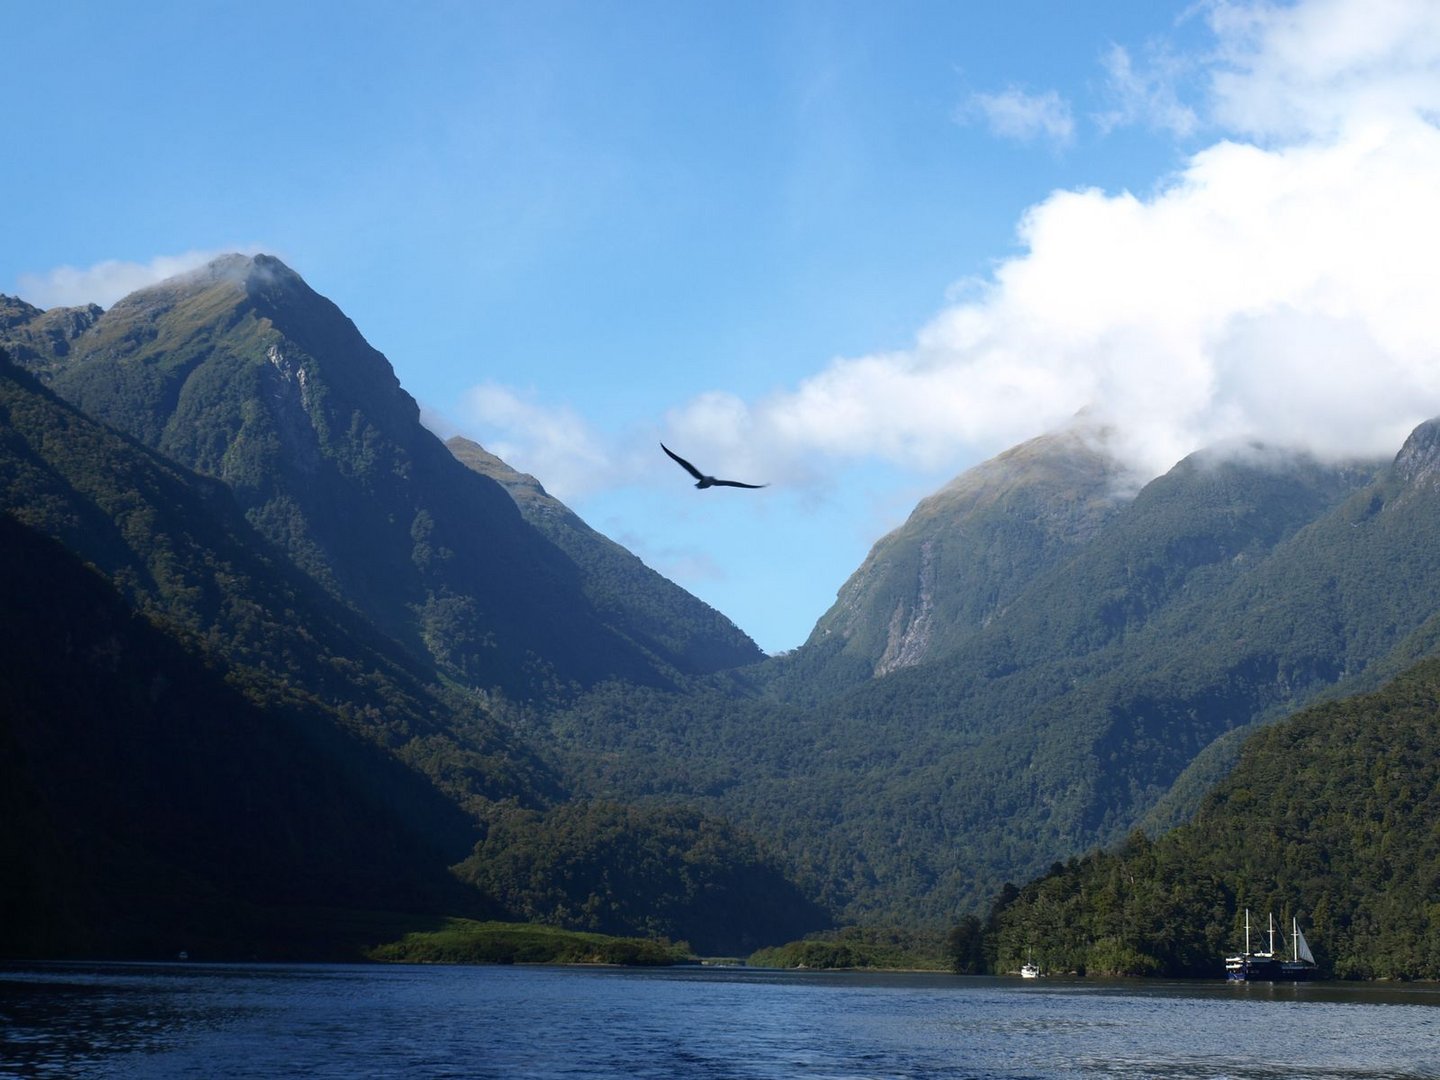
(1418, 462)
(235, 274)
(969, 549)
(244, 269)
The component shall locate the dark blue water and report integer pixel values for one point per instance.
(401, 1021)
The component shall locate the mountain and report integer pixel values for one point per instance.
(968, 551)
(1236, 588)
(1328, 817)
(242, 373)
(179, 551)
(378, 766)
(150, 806)
(1043, 657)
(647, 608)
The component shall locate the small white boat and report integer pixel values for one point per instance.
(1029, 970)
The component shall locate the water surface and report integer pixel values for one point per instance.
(192, 1020)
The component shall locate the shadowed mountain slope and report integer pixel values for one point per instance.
(648, 609)
(178, 550)
(243, 373)
(149, 806)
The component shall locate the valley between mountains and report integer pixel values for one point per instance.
(280, 666)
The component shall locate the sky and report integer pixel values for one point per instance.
(847, 249)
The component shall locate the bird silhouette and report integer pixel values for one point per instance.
(701, 480)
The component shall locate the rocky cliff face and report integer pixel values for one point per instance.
(967, 551)
(1418, 463)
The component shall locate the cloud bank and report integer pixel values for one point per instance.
(1280, 286)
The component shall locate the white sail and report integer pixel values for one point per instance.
(1302, 950)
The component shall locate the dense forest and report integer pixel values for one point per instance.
(1329, 817)
(377, 673)
(208, 568)
(1111, 689)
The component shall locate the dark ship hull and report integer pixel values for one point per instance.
(1258, 967)
(1266, 966)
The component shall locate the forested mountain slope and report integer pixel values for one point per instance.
(149, 806)
(969, 551)
(647, 608)
(178, 550)
(199, 737)
(1226, 593)
(241, 372)
(1328, 816)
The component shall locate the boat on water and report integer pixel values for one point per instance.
(1029, 970)
(1269, 966)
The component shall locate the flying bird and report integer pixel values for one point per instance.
(701, 480)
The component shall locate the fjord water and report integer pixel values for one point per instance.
(501, 1022)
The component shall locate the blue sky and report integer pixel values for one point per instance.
(850, 249)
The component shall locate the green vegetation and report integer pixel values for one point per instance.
(351, 731)
(858, 947)
(656, 871)
(1328, 816)
(464, 941)
(285, 649)
(1223, 596)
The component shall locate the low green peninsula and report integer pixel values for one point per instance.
(465, 941)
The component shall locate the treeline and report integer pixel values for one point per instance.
(199, 746)
(466, 941)
(1229, 593)
(852, 947)
(1329, 817)
(639, 871)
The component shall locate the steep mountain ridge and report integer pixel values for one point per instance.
(241, 372)
(178, 550)
(647, 608)
(969, 550)
(1020, 672)
(1198, 607)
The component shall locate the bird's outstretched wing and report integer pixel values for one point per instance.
(696, 473)
(701, 480)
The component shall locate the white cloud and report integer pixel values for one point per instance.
(554, 443)
(1282, 290)
(1285, 294)
(1024, 117)
(1147, 94)
(109, 281)
(1306, 70)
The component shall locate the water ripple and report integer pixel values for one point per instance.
(513, 1023)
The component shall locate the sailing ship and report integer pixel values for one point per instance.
(1269, 967)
